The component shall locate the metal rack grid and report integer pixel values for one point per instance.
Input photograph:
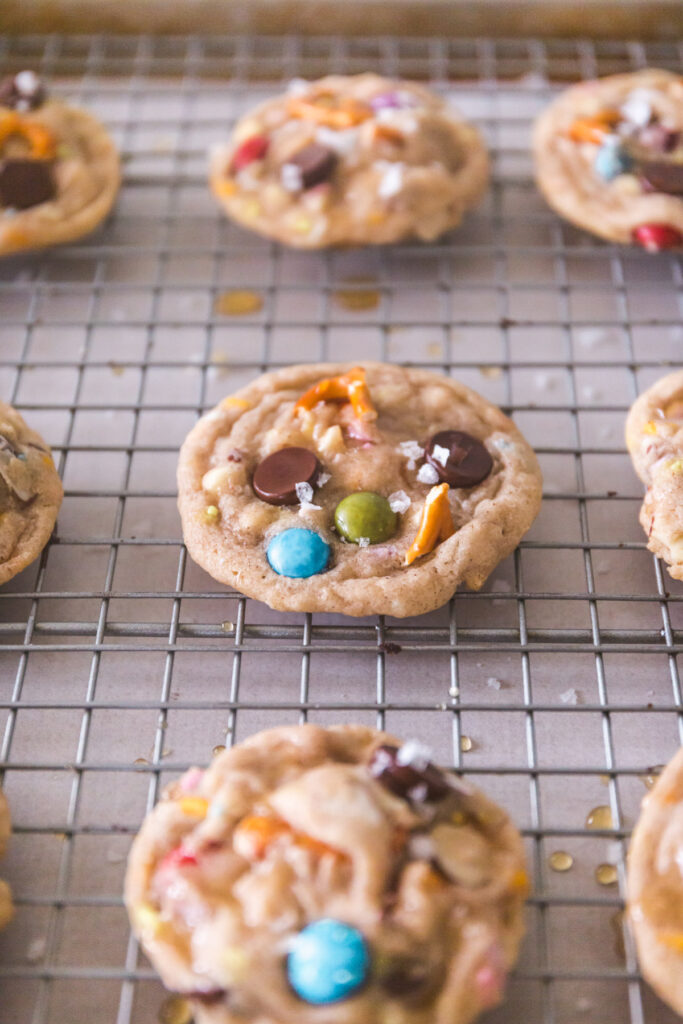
(122, 663)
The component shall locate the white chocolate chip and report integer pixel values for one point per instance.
(216, 480)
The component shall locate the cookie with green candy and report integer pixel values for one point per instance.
(355, 489)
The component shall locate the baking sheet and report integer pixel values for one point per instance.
(121, 663)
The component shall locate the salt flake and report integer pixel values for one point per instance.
(570, 696)
(343, 142)
(399, 502)
(440, 454)
(363, 542)
(411, 451)
(298, 87)
(414, 753)
(392, 180)
(291, 178)
(638, 107)
(304, 491)
(494, 683)
(323, 478)
(426, 474)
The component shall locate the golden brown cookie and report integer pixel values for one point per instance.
(654, 437)
(655, 884)
(6, 908)
(30, 493)
(59, 169)
(336, 874)
(348, 161)
(361, 490)
(609, 157)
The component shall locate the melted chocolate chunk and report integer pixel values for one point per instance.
(662, 176)
(26, 183)
(467, 463)
(23, 91)
(315, 164)
(407, 977)
(276, 477)
(423, 785)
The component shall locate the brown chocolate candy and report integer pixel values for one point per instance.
(662, 176)
(315, 163)
(409, 978)
(275, 478)
(468, 461)
(23, 91)
(657, 137)
(423, 785)
(25, 183)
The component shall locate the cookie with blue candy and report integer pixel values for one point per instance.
(355, 489)
(609, 157)
(337, 874)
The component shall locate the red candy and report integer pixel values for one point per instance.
(253, 148)
(655, 237)
(179, 857)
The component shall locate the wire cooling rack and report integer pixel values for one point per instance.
(556, 687)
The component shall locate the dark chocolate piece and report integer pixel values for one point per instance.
(275, 478)
(419, 784)
(25, 183)
(315, 163)
(23, 91)
(468, 462)
(662, 176)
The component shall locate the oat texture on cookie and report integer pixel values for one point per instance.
(59, 170)
(609, 157)
(358, 489)
(30, 493)
(350, 160)
(339, 867)
(655, 884)
(654, 436)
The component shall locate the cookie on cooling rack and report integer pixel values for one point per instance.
(654, 436)
(312, 866)
(30, 493)
(6, 908)
(361, 490)
(59, 169)
(609, 157)
(655, 884)
(358, 160)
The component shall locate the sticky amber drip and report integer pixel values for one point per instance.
(600, 818)
(436, 524)
(560, 860)
(348, 387)
(606, 874)
(238, 302)
(175, 1010)
(466, 744)
(357, 300)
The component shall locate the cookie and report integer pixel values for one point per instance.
(6, 908)
(361, 490)
(311, 868)
(655, 885)
(654, 437)
(30, 493)
(350, 160)
(609, 157)
(59, 170)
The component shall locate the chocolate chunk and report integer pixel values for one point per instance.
(276, 477)
(662, 176)
(26, 183)
(315, 164)
(467, 463)
(408, 978)
(424, 784)
(23, 91)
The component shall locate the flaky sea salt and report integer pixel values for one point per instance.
(638, 107)
(570, 696)
(304, 491)
(323, 478)
(414, 753)
(426, 474)
(343, 141)
(291, 178)
(440, 454)
(494, 683)
(399, 502)
(298, 87)
(363, 542)
(391, 182)
(411, 450)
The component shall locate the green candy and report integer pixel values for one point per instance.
(365, 516)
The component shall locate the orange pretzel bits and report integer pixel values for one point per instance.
(329, 110)
(348, 387)
(436, 524)
(255, 834)
(40, 140)
(592, 129)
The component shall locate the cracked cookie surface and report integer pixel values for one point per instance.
(303, 829)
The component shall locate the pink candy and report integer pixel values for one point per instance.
(655, 237)
(490, 977)
(191, 780)
(253, 148)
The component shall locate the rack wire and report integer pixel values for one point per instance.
(557, 687)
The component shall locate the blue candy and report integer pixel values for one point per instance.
(329, 961)
(298, 553)
(612, 160)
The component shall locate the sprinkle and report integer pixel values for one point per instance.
(194, 806)
(411, 451)
(426, 474)
(291, 178)
(414, 753)
(440, 454)
(211, 513)
(399, 502)
(391, 182)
